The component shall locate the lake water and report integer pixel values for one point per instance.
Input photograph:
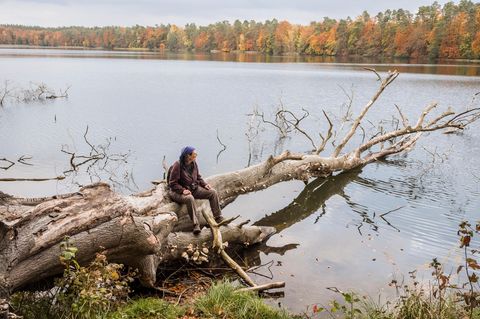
(330, 233)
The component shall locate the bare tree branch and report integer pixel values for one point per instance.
(458, 121)
(387, 81)
(286, 121)
(99, 156)
(404, 119)
(379, 78)
(274, 160)
(348, 114)
(295, 123)
(329, 135)
(280, 125)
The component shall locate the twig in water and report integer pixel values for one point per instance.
(89, 144)
(8, 165)
(391, 211)
(263, 287)
(5, 93)
(223, 145)
(269, 264)
(382, 216)
(62, 94)
(58, 178)
(24, 158)
(286, 121)
(98, 155)
(262, 275)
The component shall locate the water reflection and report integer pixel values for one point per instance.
(446, 67)
(314, 196)
(251, 259)
(309, 201)
(410, 190)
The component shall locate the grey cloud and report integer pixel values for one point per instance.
(126, 12)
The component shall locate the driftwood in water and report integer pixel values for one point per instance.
(147, 229)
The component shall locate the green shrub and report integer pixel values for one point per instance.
(81, 293)
(93, 291)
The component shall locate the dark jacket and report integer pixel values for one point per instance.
(180, 178)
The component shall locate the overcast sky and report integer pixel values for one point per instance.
(202, 12)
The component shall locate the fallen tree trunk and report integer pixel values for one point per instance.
(96, 219)
(145, 230)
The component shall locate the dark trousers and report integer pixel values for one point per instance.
(189, 200)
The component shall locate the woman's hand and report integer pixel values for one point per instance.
(186, 192)
(208, 186)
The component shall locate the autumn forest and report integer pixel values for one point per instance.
(450, 31)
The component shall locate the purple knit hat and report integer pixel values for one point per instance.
(187, 150)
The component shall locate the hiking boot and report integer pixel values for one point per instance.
(196, 230)
(219, 219)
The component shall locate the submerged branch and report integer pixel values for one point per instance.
(12, 179)
(37, 92)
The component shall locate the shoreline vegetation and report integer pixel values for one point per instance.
(102, 290)
(251, 56)
(434, 32)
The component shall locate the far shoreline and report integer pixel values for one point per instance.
(261, 57)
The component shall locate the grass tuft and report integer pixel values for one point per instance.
(222, 301)
(148, 308)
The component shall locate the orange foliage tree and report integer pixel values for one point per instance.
(450, 31)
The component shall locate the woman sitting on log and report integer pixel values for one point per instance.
(186, 184)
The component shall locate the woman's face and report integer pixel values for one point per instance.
(192, 156)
